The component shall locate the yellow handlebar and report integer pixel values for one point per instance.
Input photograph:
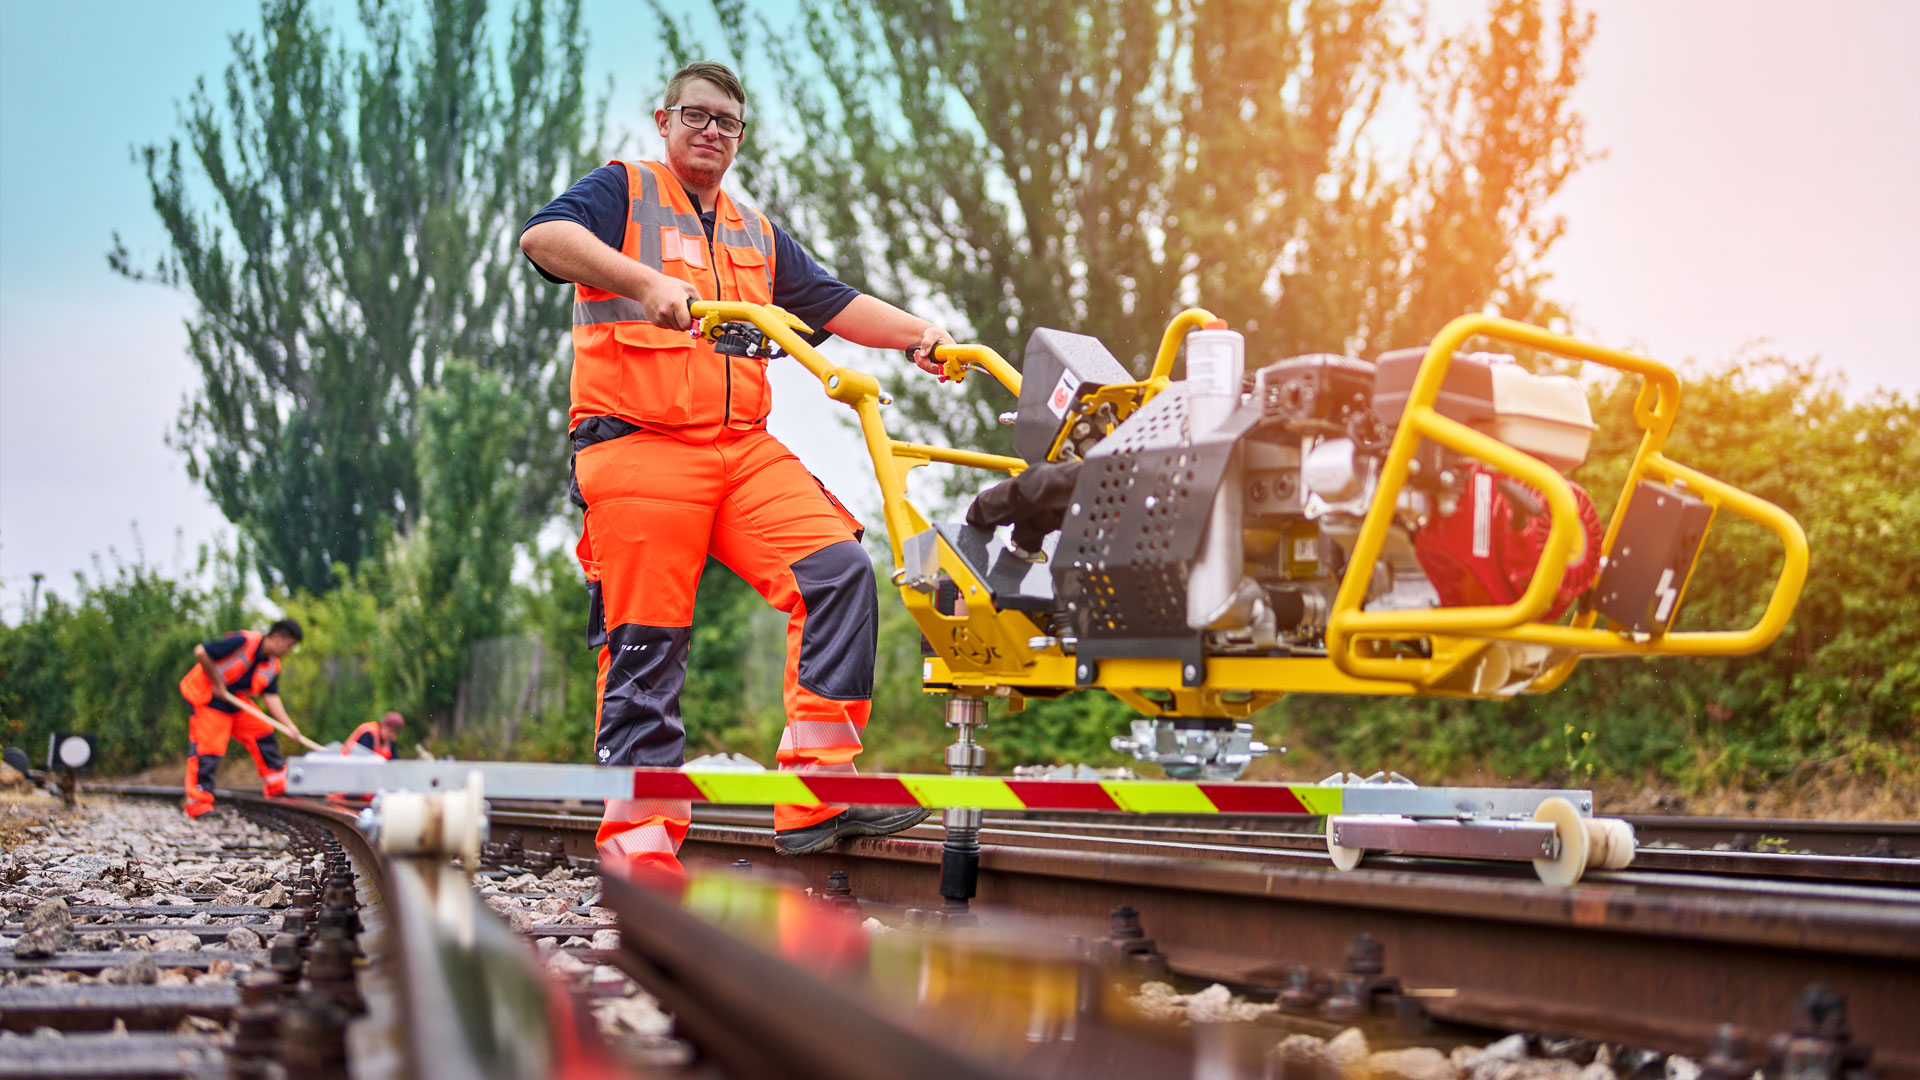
(956, 360)
(1655, 408)
(892, 459)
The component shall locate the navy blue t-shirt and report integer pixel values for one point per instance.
(599, 201)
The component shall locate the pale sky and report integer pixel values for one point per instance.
(1759, 194)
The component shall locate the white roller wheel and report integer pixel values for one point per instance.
(1344, 858)
(1572, 830)
(1610, 843)
(403, 819)
(450, 823)
(464, 821)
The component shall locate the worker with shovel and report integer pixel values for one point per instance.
(228, 675)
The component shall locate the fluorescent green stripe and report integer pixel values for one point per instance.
(1317, 799)
(982, 792)
(756, 788)
(1159, 797)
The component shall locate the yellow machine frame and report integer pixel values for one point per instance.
(985, 651)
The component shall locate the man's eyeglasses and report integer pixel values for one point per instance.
(698, 119)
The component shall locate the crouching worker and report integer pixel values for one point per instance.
(230, 676)
(375, 737)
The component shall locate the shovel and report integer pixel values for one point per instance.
(285, 730)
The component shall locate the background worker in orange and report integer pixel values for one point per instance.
(672, 462)
(242, 667)
(377, 737)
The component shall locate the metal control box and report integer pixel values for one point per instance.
(1659, 539)
(1057, 368)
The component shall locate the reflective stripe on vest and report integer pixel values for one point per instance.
(233, 669)
(380, 744)
(661, 228)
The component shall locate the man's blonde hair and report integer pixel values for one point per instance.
(718, 74)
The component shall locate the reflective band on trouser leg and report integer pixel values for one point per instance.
(778, 531)
(200, 767)
(208, 731)
(643, 833)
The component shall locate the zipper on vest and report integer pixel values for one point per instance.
(713, 264)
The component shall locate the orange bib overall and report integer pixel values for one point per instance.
(213, 723)
(673, 463)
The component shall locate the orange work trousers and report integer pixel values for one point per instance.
(208, 731)
(657, 507)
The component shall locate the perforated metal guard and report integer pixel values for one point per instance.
(1138, 515)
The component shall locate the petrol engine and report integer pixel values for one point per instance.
(1217, 518)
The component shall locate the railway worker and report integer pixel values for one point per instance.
(230, 676)
(378, 737)
(672, 462)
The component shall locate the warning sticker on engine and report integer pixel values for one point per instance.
(1062, 396)
(1482, 515)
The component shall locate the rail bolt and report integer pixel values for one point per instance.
(286, 957)
(1365, 955)
(1820, 1044)
(1348, 1003)
(296, 922)
(256, 1023)
(340, 924)
(1820, 1012)
(1301, 994)
(330, 970)
(1127, 944)
(1730, 1056)
(313, 1040)
(839, 891)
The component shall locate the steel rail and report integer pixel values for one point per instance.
(468, 996)
(1610, 953)
(1596, 959)
(1893, 845)
(1845, 860)
(756, 1015)
(1507, 952)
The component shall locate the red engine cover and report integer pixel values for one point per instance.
(1486, 550)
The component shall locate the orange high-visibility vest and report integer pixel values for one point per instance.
(244, 674)
(380, 744)
(624, 366)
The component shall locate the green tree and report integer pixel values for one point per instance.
(1095, 165)
(109, 662)
(449, 580)
(344, 218)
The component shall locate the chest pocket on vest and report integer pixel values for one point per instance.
(745, 274)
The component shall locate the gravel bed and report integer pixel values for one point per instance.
(630, 1017)
(109, 854)
(1347, 1056)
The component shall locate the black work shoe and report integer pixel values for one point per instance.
(882, 820)
(816, 837)
(858, 821)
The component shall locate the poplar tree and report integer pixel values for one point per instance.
(344, 217)
(1096, 165)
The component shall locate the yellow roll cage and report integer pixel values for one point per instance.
(984, 650)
